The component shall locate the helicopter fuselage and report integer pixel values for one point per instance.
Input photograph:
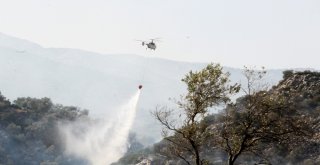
(151, 45)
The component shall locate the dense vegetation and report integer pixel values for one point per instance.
(278, 125)
(28, 132)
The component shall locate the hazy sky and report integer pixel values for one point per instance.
(272, 33)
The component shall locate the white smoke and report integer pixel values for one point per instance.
(104, 141)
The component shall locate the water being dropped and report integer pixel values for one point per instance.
(104, 141)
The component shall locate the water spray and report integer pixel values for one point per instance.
(101, 142)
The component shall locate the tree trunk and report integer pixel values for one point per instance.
(230, 160)
(198, 162)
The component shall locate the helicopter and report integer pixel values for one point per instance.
(150, 44)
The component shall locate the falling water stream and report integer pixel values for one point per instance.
(104, 141)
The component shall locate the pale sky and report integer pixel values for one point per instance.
(270, 33)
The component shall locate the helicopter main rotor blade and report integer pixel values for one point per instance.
(140, 40)
(155, 38)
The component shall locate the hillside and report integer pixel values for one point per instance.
(98, 82)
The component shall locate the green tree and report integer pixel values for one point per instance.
(34, 105)
(287, 73)
(4, 103)
(186, 135)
